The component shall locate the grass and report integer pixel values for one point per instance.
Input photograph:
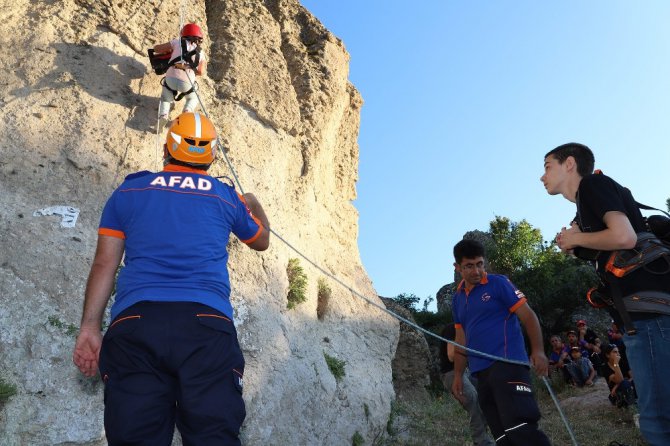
(442, 421)
(297, 284)
(7, 390)
(323, 296)
(67, 329)
(336, 366)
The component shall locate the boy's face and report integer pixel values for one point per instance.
(554, 175)
(575, 354)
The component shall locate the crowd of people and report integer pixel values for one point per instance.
(582, 358)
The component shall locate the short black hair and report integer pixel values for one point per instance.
(468, 248)
(582, 154)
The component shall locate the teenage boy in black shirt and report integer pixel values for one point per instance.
(608, 219)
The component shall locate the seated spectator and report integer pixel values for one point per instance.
(557, 357)
(615, 336)
(622, 389)
(581, 369)
(574, 341)
(592, 344)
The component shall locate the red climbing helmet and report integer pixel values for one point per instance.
(191, 30)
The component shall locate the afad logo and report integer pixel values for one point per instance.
(523, 388)
(486, 297)
(519, 294)
(196, 149)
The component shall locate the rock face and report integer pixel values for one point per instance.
(79, 113)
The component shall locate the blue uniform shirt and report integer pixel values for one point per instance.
(486, 315)
(176, 226)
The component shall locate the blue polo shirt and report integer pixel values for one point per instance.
(486, 315)
(176, 225)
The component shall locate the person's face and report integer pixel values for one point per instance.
(576, 354)
(581, 326)
(556, 342)
(554, 175)
(614, 355)
(472, 270)
(572, 338)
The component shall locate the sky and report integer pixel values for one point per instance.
(462, 100)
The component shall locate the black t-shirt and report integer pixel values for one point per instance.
(590, 336)
(449, 332)
(607, 371)
(598, 194)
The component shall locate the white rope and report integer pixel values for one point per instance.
(374, 304)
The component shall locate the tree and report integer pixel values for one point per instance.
(407, 300)
(555, 284)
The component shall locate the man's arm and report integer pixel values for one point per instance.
(262, 242)
(532, 325)
(619, 234)
(98, 290)
(460, 360)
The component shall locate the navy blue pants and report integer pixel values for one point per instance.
(167, 363)
(509, 406)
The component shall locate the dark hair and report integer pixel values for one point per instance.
(582, 154)
(608, 349)
(468, 248)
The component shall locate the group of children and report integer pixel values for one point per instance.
(583, 358)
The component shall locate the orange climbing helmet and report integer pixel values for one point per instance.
(191, 30)
(191, 139)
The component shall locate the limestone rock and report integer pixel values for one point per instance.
(79, 113)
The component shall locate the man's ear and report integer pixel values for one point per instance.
(570, 163)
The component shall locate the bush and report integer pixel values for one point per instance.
(323, 296)
(335, 366)
(357, 439)
(297, 283)
(7, 390)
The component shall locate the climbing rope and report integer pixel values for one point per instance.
(374, 304)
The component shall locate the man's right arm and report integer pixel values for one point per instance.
(619, 234)
(460, 361)
(262, 242)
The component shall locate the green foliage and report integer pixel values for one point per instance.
(297, 284)
(357, 439)
(555, 284)
(336, 366)
(366, 410)
(407, 300)
(7, 390)
(68, 329)
(323, 295)
(513, 246)
(667, 204)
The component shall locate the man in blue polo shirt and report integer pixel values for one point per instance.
(170, 355)
(487, 309)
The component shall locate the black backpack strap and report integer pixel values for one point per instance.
(649, 208)
(192, 58)
(617, 298)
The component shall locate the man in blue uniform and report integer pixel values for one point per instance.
(487, 309)
(609, 221)
(170, 355)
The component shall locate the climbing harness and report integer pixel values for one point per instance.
(179, 95)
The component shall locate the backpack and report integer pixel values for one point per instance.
(651, 255)
(161, 62)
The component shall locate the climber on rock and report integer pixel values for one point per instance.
(187, 60)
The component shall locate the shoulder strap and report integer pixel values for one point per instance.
(649, 208)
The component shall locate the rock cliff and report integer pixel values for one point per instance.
(79, 113)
